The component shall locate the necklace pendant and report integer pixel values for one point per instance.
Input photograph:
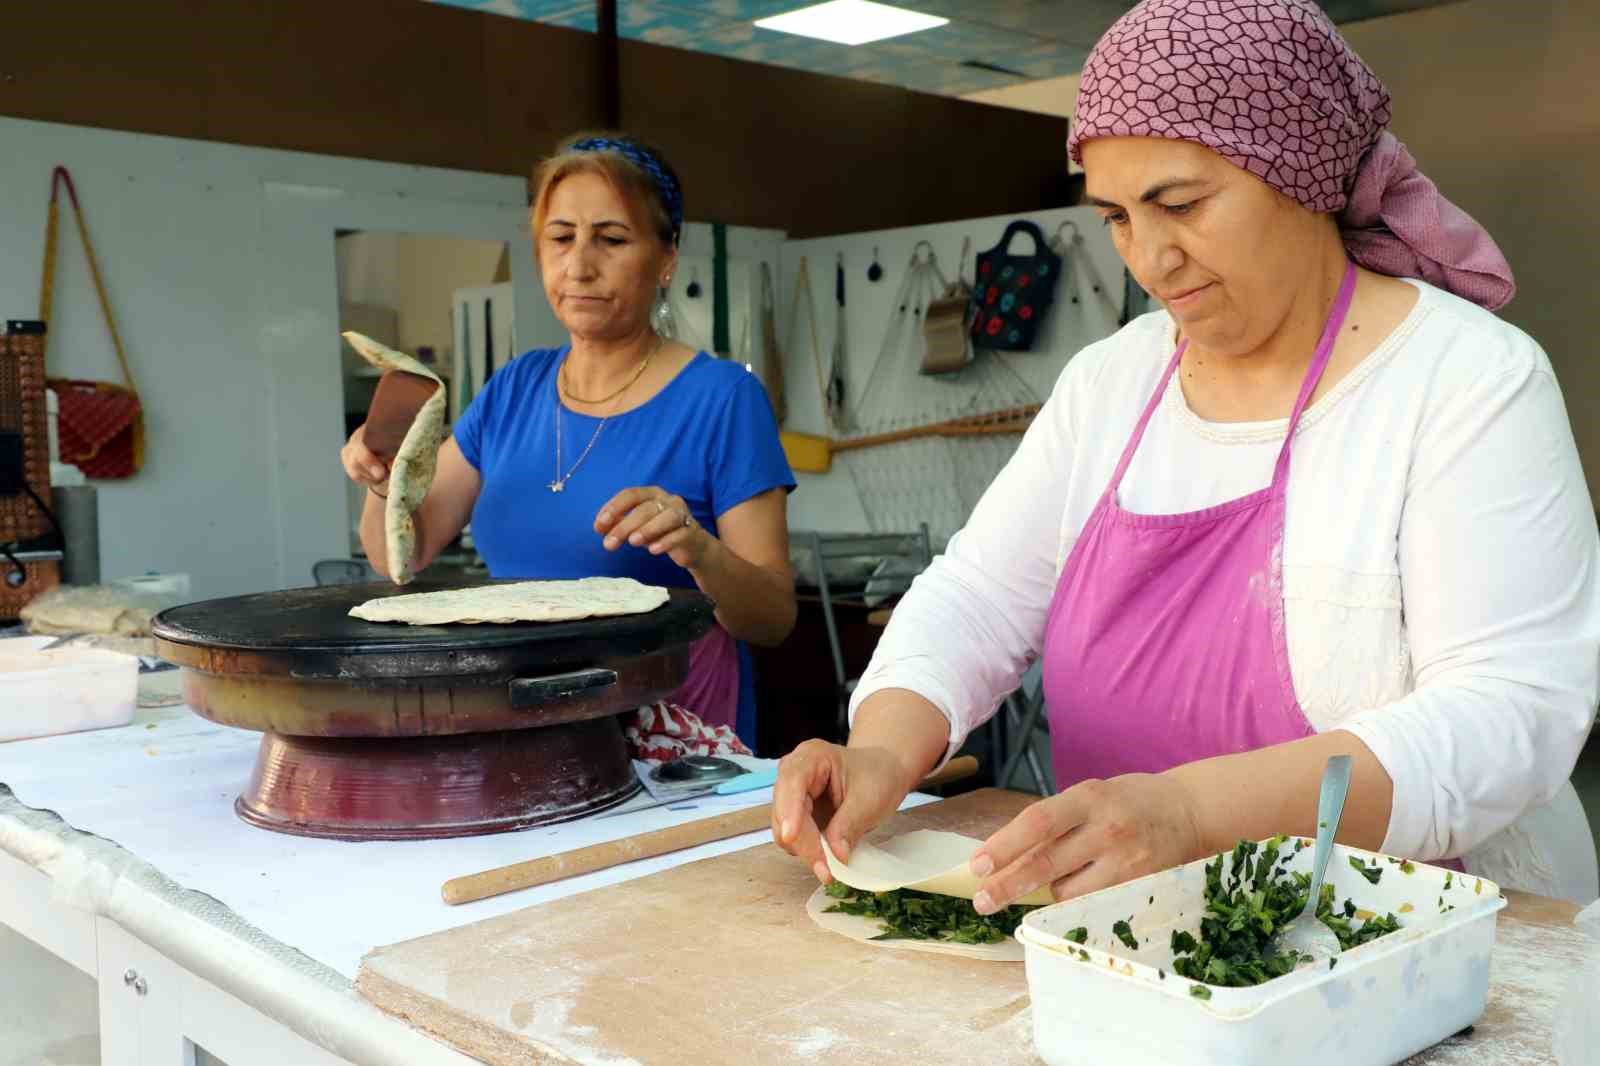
(558, 485)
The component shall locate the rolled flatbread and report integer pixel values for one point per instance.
(411, 473)
(523, 601)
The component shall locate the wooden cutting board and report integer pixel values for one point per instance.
(714, 963)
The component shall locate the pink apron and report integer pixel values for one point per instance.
(1165, 639)
(712, 688)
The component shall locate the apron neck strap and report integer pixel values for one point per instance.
(1319, 364)
(1144, 419)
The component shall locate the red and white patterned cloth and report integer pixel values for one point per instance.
(661, 732)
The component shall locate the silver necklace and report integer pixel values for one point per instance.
(560, 483)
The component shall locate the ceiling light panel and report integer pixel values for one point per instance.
(852, 22)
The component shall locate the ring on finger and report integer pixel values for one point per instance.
(661, 508)
(688, 520)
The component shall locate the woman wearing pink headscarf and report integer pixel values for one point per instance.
(1324, 503)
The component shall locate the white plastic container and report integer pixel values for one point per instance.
(161, 590)
(63, 690)
(1577, 1030)
(1382, 1002)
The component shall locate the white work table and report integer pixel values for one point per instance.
(120, 853)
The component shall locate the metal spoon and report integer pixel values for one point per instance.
(1305, 933)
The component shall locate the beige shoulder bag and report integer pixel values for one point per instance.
(949, 345)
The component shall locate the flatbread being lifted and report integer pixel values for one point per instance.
(411, 472)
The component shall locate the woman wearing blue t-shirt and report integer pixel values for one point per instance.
(622, 453)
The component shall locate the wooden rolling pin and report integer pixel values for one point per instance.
(595, 857)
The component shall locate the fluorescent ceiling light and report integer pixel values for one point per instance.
(851, 22)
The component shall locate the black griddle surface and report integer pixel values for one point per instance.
(310, 630)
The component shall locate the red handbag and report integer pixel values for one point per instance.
(101, 427)
(101, 424)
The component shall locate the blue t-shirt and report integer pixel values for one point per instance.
(709, 436)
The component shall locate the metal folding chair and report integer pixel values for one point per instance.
(1012, 730)
(827, 546)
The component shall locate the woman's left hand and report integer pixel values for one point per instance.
(1093, 835)
(654, 519)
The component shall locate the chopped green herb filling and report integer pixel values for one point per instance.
(910, 915)
(1244, 911)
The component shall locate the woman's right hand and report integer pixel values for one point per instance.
(361, 464)
(844, 792)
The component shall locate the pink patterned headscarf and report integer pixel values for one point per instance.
(1272, 87)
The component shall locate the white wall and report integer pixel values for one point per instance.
(220, 264)
(747, 249)
(936, 482)
(368, 267)
(416, 275)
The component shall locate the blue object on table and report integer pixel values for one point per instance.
(749, 782)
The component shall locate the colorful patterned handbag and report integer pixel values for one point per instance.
(1013, 291)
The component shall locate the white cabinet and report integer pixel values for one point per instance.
(141, 1004)
(154, 1012)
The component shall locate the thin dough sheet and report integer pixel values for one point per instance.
(926, 860)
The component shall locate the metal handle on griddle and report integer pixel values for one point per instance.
(529, 693)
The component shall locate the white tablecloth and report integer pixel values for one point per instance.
(163, 788)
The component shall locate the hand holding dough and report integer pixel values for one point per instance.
(411, 473)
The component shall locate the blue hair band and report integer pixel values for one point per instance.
(666, 182)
